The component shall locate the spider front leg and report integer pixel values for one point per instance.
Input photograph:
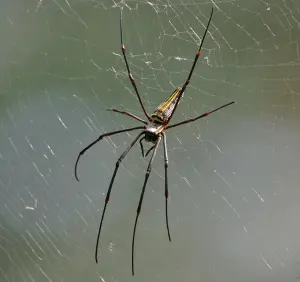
(166, 159)
(121, 158)
(141, 200)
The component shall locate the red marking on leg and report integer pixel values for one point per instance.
(206, 114)
(198, 53)
(123, 48)
(132, 79)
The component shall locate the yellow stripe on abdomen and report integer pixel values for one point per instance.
(162, 112)
(165, 105)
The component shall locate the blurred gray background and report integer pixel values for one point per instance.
(234, 176)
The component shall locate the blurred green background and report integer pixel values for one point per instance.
(234, 177)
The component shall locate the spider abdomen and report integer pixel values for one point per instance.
(164, 110)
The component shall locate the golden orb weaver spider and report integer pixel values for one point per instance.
(153, 131)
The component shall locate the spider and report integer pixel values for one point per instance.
(153, 130)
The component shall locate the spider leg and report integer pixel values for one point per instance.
(97, 140)
(141, 198)
(201, 116)
(150, 150)
(128, 70)
(110, 187)
(142, 147)
(127, 113)
(166, 182)
(193, 67)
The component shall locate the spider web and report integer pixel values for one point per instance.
(233, 177)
